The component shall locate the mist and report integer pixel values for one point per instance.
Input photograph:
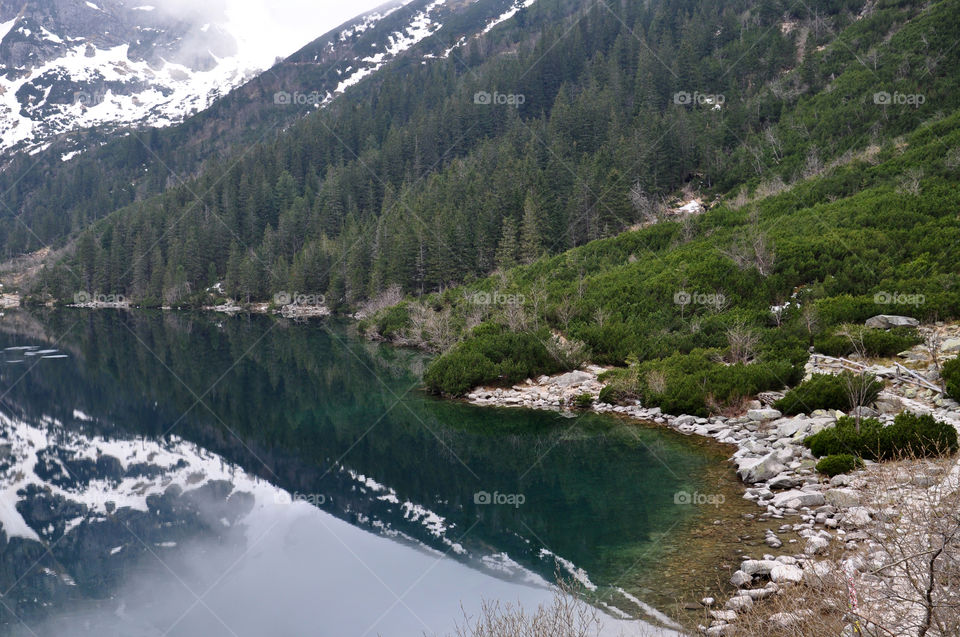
(293, 569)
(262, 30)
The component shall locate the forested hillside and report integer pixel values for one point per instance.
(416, 182)
(47, 196)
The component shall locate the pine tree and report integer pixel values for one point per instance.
(531, 243)
(508, 249)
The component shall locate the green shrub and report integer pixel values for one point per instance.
(909, 435)
(610, 395)
(392, 321)
(695, 383)
(583, 401)
(838, 463)
(491, 355)
(875, 342)
(827, 391)
(951, 375)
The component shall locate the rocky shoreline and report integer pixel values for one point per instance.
(779, 476)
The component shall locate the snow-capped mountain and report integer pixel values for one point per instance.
(76, 64)
(70, 65)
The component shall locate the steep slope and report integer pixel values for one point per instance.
(421, 180)
(45, 199)
(68, 64)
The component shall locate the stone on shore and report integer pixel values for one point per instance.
(886, 321)
(740, 579)
(795, 499)
(763, 415)
(753, 470)
(842, 498)
(739, 603)
(784, 573)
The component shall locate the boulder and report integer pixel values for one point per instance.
(739, 579)
(573, 378)
(795, 499)
(763, 415)
(724, 615)
(757, 567)
(785, 481)
(816, 545)
(886, 321)
(950, 345)
(855, 517)
(739, 603)
(753, 470)
(842, 498)
(784, 573)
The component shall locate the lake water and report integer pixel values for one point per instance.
(166, 473)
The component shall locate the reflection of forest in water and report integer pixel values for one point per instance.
(303, 405)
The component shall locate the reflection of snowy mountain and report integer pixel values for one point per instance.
(101, 506)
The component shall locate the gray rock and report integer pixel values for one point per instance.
(842, 498)
(740, 579)
(816, 545)
(739, 603)
(757, 567)
(795, 499)
(762, 415)
(819, 574)
(573, 378)
(785, 481)
(724, 615)
(784, 573)
(753, 470)
(886, 321)
(855, 517)
(684, 420)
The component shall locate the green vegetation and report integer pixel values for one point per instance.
(409, 182)
(829, 391)
(838, 463)
(909, 436)
(695, 383)
(583, 401)
(850, 339)
(951, 376)
(493, 356)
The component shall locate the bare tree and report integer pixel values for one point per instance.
(752, 248)
(743, 343)
(858, 385)
(811, 320)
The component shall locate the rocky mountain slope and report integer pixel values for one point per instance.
(70, 64)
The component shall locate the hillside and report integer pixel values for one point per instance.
(414, 182)
(104, 137)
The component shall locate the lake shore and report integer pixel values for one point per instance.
(821, 526)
